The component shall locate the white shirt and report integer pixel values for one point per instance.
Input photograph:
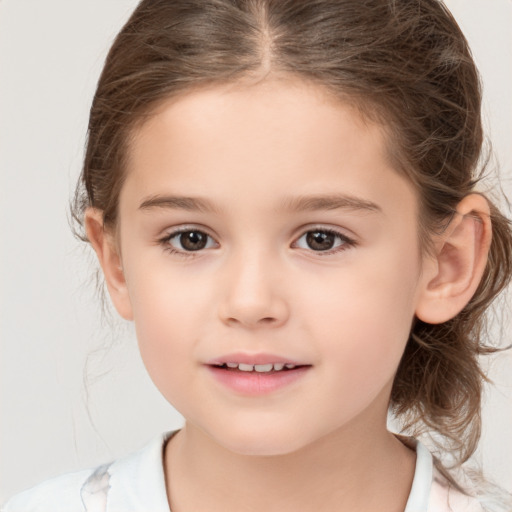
(136, 483)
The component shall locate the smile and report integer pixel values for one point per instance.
(250, 375)
(260, 368)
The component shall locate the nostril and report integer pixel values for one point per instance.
(268, 320)
(248, 312)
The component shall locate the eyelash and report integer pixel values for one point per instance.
(346, 242)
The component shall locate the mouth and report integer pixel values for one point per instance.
(257, 374)
(258, 368)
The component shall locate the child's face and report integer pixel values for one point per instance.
(268, 283)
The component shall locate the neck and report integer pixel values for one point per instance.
(349, 469)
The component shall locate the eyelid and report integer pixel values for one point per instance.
(338, 230)
(184, 228)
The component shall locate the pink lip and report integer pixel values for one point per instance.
(255, 383)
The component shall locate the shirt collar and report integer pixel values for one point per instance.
(418, 500)
(137, 482)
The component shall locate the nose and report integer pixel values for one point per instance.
(253, 293)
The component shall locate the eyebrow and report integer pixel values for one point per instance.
(292, 204)
(179, 203)
(329, 202)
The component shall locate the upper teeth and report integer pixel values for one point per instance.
(261, 368)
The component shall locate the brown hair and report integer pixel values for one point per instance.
(404, 63)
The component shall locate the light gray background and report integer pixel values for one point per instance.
(51, 53)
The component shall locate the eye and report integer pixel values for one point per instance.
(324, 240)
(187, 240)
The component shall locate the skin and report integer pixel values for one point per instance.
(257, 286)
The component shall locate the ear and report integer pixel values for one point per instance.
(452, 276)
(109, 258)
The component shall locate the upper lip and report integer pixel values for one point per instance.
(253, 359)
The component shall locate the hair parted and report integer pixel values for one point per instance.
(404, 64)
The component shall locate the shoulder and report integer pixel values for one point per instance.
(131, 484)
(61, 494)
(431, 491)
(445, 498)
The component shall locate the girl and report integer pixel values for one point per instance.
(283, 198)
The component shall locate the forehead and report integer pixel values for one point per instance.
(262, 140)
(289, 107)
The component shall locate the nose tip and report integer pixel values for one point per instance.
(252, 298)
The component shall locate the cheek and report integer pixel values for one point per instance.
(164, 302)
(167, 317)
(365, 317)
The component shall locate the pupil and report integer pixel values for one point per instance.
(319, 240)
(193, 240)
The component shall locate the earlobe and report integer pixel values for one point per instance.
(452, 276)
(109, 258)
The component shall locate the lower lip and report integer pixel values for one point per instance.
(255, 383)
